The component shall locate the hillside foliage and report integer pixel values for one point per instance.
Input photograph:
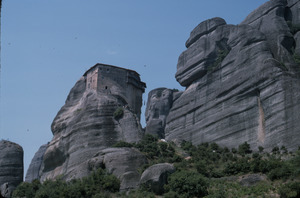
(206, 170)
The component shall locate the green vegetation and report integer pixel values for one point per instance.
(206, 170)
(156, 151)
(220, 57)
(97, 183)
(296, 58)
(119, 112)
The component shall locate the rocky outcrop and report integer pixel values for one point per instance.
(159, 103)
(93, 118)
(33, 171)
(156, 176)
(252, 179)
(242, 82)
(121, 162)
(11, 166)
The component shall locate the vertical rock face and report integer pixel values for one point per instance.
(242, 82)
(11, 166)
(94, 117)
(159, 103)
(33, 171)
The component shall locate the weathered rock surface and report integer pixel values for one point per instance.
(159, 103)
(86, 123)
(121, 162)
(242, 82)
(252, 179)
(293, 18)
(156, 176)
(33, 171)
(5, 191)
(270, 20)
(11, 167)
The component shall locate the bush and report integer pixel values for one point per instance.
(261, 149)
(290, 190)
(98, 182)
(26, 189)
(244, 149)
(119, 112)
(187, 183)
(275, 150)
(123, 144)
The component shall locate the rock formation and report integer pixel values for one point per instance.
(242, 85)
(101, 109)
(242, 81)
(121, 162)
(159, 103)
(11, 167)
(156, 176)
(33, 171)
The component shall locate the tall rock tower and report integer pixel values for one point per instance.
(102, 108)
(242, 81)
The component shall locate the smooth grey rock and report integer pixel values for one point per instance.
(250, 95)
(204, 28)
(252, 179)
(270, 19)
(297, 40)
(11, 166)
(200, 57)
(33, 171)
(294, 11)
(121, 162)
(6, 190)
(159, 103)
(156, 176)
(86, 123)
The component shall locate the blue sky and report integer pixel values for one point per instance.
(47, 45)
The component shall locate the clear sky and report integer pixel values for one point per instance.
(47, 45)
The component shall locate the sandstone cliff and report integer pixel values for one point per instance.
(11, 167)
(93, 118)
(242, 81)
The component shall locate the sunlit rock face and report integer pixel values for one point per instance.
(242, 81)
(11, 167)
(88, 123)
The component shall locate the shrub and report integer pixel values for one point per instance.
(98, 182)
(187, 183)
(244, 149)
(275, 150)
(221, 54)
(261, 149)
(296, 58)
(123, 144)
(290, 190)
(26, 189)
(119, 112)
